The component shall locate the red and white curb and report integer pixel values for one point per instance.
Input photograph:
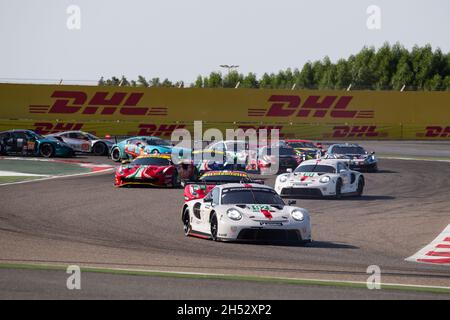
(437, 252)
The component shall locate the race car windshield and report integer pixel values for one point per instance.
(315, 168)
(281, 151)
(91, 136)
(348, 150)
(302, 145)
(152, 162)
(158, 142)
(225, 178)
(250, 196)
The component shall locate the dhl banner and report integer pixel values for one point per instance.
(311, 114)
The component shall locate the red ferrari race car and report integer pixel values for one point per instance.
(154, 170)
(200, 188)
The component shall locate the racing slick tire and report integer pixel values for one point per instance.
(99, 149)
(214, 224)
(115, 154)
(176, 182)
(338, 189)
(47, 150)
(360, 188)
(155, 151)
(186, 222)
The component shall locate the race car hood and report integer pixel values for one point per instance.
(140, 171)
(351, 156)
(305, 176)
(305, 150)
(262, 212)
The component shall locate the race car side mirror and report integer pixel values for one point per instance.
(373, 152)
(289, 170)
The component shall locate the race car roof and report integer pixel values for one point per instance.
(161, 156)
(244, 185)
(329, 162)
(225, 173)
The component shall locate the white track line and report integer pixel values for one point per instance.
(413, 159)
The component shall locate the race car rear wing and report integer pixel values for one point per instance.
(199, 182)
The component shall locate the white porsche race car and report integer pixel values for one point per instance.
(320, 178)
(245, 212)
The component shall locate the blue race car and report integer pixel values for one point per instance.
(134, 147)
(27, 142)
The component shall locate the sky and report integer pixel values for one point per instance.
(181, 39)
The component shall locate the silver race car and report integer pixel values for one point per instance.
(245, 212)
(85, 142)
(320, 178)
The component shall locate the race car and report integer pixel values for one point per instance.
(27, 142)
(305, 148)
(245, 212)
(198, 189)
(268, 160)
(82, 141)
(154, 170)
(235, 152)
(320, 178)
(356, 157)
(143, 145)
(212, 160)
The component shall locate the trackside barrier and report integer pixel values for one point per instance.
(311, 114)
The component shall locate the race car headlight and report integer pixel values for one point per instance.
(297, 215)
(283, 179)
(325, 179)
(234, 214)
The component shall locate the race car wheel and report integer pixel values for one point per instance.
(115, 154)
(360, 189)
(186, 222)
(47, 150)
(155, 151)
(214, 227)
(338, 189)
(99, 149)
(176, 182)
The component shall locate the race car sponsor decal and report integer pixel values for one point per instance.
(437, 252)
(266, 213)
(259, 207)
(225, 173)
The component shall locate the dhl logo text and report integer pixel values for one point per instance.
(355, 132)
(104, 103)
(435, 132)
(48, 127)
(161, 130)
(313, 106)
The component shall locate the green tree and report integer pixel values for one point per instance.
(142, 82)
(250, 81)
(343, 75)
(306, 76)
(403, 75)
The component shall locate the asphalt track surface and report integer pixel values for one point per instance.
(88, 222)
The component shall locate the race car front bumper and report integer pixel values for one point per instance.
(264, 231)
(290, 192)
